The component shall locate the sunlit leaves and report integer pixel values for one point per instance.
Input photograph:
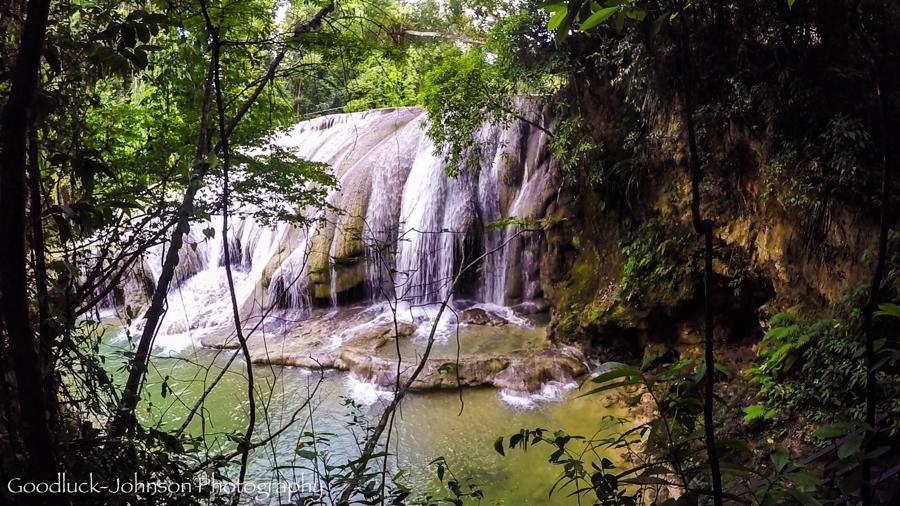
(279, 186)
(596, 18)
(559, 12)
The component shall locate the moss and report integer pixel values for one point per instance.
(658, 271)
(583, 279)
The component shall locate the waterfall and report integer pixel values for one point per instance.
(399, 227)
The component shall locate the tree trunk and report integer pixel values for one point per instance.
(46, 331)
(14, 125)
(885, 223)
(124, 419)
(704, 228)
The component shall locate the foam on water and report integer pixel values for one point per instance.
(504, 312)
(552, 391)
(364, 392)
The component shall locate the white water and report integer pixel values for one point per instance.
(403, 230)
(551, 391)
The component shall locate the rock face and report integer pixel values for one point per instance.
(618, 270)
(771, 252)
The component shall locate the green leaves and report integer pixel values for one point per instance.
(629, 376)
(834, 430)
(596, 18)
(498, 446)
(888, 309)
(758, 412)
(850, 445)
(565, 14)
(558, 17)
(779, 459)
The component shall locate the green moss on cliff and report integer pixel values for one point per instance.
(657, 274)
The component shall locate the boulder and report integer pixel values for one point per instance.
(479, 316)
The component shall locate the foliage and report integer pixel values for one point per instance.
(809, 368)
(281, 187)
(572, 147)
(465, 88)
(116, 132)
(658, 265)
(665, 452)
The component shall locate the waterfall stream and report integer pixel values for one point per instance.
(400, 228)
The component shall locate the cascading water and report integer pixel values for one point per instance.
(400, 228)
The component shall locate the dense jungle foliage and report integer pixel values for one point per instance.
(673, 123)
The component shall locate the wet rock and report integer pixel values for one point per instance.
(532, 307)
(531, 371)
(217, 343)
(369, 337)
(479, 316)
(318, 362)
(524, 372)
(350, 340)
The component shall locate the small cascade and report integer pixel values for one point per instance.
(400, 228)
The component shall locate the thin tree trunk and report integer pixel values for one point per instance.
(124, 419)
(885, 223)
(704, 228)
(359, 467)
(226, 161)
(13, 282)
(14, 125)
(46, 333)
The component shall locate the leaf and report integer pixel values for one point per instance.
(498, 446)
(556, 19)
(850, 445)
(515, 439)
(739, 470)
(888, 310)
(779, 459)
(834, 430)
(805, 482)
(724, 370)
(617, 371)
(755, 412)
(620, 21)
(790, 3)
(657, 24)
(609, 386)
(801, 497)
(648, 480)
(597, 18)
(554, 6)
